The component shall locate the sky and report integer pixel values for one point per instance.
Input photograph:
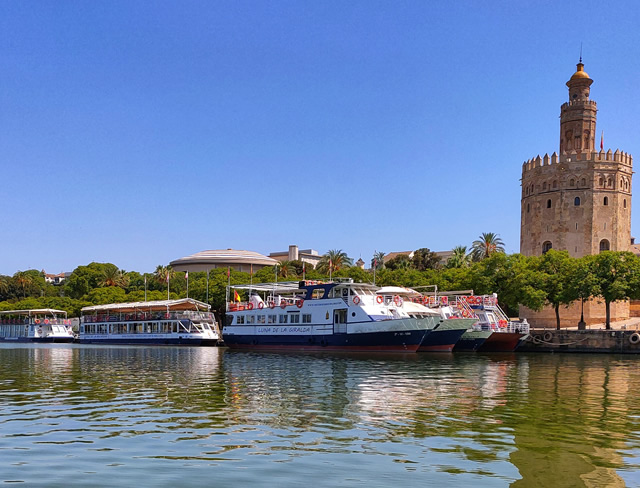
(139, 132)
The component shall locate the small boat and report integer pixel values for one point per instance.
(450, 329)
(36, 325)
(162, 322)
(338, 315)
(493, 332)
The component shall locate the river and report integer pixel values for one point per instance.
(99, 416)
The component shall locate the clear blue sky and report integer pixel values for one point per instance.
(138, 132)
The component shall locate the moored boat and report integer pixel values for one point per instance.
(36, 325)
(493, 332)
(322, 316)
(450, 328)
(162, 322)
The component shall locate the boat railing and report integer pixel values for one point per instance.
(146, 316)
(36, 321)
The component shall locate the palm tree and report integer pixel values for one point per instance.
(459, 258)
(377, 261)
(488, 244)
(333, 261)
(286, 269)
(164, 273)
(4, 284)
(23, 280)
(112, 276)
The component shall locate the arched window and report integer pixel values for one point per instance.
(583, 182)
(601, 181)
(549, 203)
(609, 182)
(624, 203)
(546, 246)
(555, 184)
(527, 208)
(606, 201)
(576, 201)
(572, 182)
(544, 186)
(604, 245)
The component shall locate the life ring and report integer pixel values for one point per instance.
(397, 300)
(634, 338)
(471, 299)
(167, 315)
(260, 305)
(356, 300)
(249, 306)
(46, 321)
(547, 336)
(272, 305)
(299, 303)
(465, 313)
(37, 321)
(379, 299)
(502, 323)
(283, 304)
(478, 300)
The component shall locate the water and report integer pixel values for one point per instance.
(174, 416)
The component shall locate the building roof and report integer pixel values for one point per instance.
(392, 255)
(201, 261)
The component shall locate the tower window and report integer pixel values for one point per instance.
(601, 182)
(624, 203)
(546, 246)
(555, 184)
(544, 186)
(609, 182)
(527, 208)
(583, 182)
(606, 201)
(604, 245)
(549, 203)
(576, 201)
(576, 225)
(572, 182)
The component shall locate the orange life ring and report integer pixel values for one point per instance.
(478, 300)
(272, 305)
(46, 321)
(465, 313)
(356, 300)
(397, 300)
(37, 321)
(249, 306)
(283, 304)
(260, 305)
(379, 299)
(502, 323)
(299, 302)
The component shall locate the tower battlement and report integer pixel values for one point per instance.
(618, 156)
(572, 103)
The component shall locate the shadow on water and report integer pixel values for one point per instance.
(501, 419)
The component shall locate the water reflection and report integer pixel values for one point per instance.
(167, 414)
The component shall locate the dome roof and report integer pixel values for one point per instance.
(580, 73)
(221, 257)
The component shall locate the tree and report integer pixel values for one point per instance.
(377, 261)
(401, 261)
(488, 244)
(112, 276)
(583, 282)
(23, 280)
(424, 259)
(333, 261)
(164, 274)
(286, 269)
(618, 278)
(555, 268)
(459, 259)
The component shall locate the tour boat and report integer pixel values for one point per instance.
(493, 331)
(37, 325)
(447, 333)
(338, 315)
(162, 322)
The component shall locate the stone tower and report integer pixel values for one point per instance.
(580, 199)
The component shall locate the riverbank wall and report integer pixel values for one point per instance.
(595, 341)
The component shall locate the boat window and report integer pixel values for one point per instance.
(306, 318)
(261, 319)
(251, 319)
(240, 319)
(295, 318)
(271, 319)
(283, 318)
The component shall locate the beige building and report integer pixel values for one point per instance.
(577, 200)
(309, 256)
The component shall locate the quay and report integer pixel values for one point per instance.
(622, 338)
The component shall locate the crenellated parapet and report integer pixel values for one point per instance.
(601, 156)
(581, 103)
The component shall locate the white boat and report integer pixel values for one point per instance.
(321, 316)
(36, 325)
(162, 322)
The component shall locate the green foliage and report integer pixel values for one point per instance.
(487, 245)
(424, 259)
(334, 260)
(399, 262)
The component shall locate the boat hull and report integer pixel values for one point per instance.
(471, 340)
(159, 341)
(446, 335)
(47, 340)
(502, 342)
(392, 341)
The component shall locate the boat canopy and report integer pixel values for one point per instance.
(34, 311)
(151, 306)
(397, 290)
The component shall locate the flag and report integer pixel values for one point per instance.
(375, 264)
(186, 275)
(167, 277)
(236, 297)
(602, 140)
(228, 272)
